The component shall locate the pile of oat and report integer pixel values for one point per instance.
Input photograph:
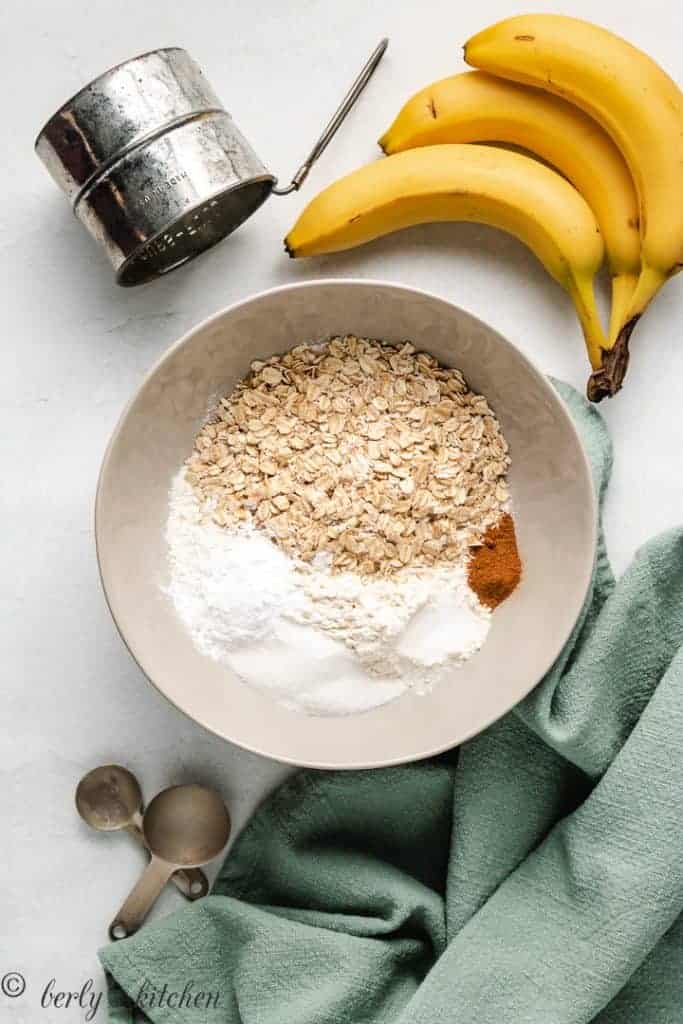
(371, 454)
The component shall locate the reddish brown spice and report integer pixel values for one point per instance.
(495, 568)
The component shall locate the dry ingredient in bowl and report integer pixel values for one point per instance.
(372, 453)
(495, 568)
(319, 642)
(321, 533)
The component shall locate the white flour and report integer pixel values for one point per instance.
(322, 643)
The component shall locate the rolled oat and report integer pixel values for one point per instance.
(374, 455)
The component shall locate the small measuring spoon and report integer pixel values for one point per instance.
(184, 827)
(109, 799)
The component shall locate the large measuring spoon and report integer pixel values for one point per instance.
(109, 799)
(184, 827)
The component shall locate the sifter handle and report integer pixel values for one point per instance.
(336, 120)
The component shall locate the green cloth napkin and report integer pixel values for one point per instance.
(534, 876)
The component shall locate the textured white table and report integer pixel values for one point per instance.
(75, 347)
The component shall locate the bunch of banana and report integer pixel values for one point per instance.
(476, 107)
(639, 106)
(465, 183)
(626, 180)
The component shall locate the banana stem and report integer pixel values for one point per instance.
(608, 378)
(623, 290)
(649, 283)
(383, 143)
(583, 297)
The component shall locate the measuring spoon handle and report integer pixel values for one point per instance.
(141, 899)
(192, 882)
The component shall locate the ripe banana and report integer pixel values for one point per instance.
(468, 183)
(477, 107)
(639, 106)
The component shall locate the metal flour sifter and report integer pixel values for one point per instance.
(154, 166)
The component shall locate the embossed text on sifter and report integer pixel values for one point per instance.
(155, 167)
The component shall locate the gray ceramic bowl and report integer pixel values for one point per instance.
(552, 493)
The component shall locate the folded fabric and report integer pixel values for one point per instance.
(534, 876)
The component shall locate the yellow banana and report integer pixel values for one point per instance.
(465, 183)
(477, 107)
(638, 105)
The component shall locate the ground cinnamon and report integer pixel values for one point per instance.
(495, 568)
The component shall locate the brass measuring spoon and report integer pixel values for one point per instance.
(184, 827)
(109, 799)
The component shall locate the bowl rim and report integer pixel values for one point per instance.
(585, 574)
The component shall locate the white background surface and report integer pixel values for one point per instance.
(75, 347)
